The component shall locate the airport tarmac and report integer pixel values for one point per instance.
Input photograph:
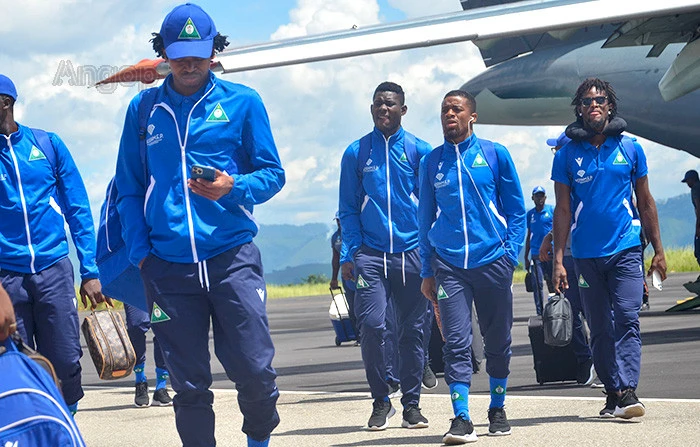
(325, 399)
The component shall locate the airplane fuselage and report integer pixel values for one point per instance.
(537, 88)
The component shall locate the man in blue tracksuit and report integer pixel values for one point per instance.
(40, 190)
(192, 238)
(378, 214)
(472, 225)
(539, 223)
(595, 176)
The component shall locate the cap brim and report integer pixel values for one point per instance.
(552, 142)
(199, 48)
(685, 180)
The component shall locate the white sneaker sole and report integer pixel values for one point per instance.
(143, 406)
(426, 387)
(450, 439)
(392, 412)
(499, 433)
(630, 411)
(156, 403)
(406, 424)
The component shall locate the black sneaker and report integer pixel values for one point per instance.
(381, 412)
(628, 406)
(141, 398)
(394, 389)
(586, 373)
(498, 422)
(161, 398)
(429, 379)
(412, 418)
(610, 404)
(461, 432)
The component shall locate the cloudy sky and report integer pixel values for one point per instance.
(54, 50)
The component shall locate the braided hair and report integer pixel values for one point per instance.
(220, 42)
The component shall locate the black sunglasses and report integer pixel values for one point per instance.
(600, 100)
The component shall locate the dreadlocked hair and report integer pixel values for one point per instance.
(220, 42)
(601, 86)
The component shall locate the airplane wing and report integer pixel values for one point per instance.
(486, 27)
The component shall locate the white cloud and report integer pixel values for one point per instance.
(316, 110)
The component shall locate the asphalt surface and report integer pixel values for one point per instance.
(325, 398)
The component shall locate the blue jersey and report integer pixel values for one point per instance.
(466, 215)
(601, 181)
(32, 235)
(224, 125)
(539, 224)
(377, 205)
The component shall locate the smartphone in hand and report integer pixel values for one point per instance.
(205, 172)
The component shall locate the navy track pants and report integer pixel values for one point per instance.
(233, 303)
(611, 290)
(489, 288)
(138, 323)
(382, 277)
(47, 319)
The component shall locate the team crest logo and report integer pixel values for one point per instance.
(403, 158)
(441, 294)
(189, 31)
(619, 159)
(582, 282)
(36, 154)
(479, 162)
(218, 115)
(361, 283)
(158, 315)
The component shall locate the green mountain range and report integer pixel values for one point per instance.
(290, 253)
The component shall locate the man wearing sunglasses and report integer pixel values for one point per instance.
(595, 177)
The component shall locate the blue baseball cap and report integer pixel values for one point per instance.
(561, 140)
(188, 31)
(7, 87)
(690, 175)
(538, 189)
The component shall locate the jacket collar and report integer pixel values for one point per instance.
(177, 99)
(14, 137)
(464, 145)
(393, 138)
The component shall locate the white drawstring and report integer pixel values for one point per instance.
(403, 267)
(203, 274)
(386, 275)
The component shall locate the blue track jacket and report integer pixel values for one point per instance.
(378, 206)
(32, 235)
(224, 125)
(466, 216)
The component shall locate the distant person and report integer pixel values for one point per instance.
(41, 190)
(138, 323)
(192, 238)
(594, 177)
(348, 285)
(691, 179)
(469, 250)
(8, 325)
(539, 223)
(579, 343)
(378, 214)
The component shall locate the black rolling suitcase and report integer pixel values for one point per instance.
(552, 364)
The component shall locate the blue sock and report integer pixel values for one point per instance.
(459, 393)
(140, 373)
(161, 378)
(498, 392)
(253, 443)
(73, 408)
